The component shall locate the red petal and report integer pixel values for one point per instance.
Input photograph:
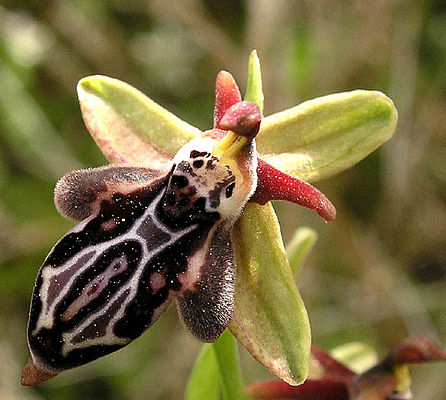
(227, 94)
(323, 389)
(276, 185)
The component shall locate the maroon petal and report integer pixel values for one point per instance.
(324, 389)
(332, 368)
(417, 350)
(227, 94)
(276, 185)
(380, 381)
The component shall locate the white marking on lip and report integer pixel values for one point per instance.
(46, 316)
(95, 287)
(132, 284)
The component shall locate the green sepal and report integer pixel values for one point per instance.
(127, 126)
(254, 91)
(327, 135)
(270, 319)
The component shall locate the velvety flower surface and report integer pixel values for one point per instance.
(305, 143)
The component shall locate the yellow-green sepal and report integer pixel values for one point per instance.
(270, 319)
(327, 135)
(254, 90)
(128, 127)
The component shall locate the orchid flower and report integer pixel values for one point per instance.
(386, 380)
(180, 212)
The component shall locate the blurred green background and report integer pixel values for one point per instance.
(376, 275)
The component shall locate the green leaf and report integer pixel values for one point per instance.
(270, 319)
(300, 245)
(254, 92)
(127, 126)
(324, 136)
(226, 354)
(204, 382)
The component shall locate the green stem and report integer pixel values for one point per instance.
(204, 381)
(226, 353)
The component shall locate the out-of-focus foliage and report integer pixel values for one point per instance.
(376, 275)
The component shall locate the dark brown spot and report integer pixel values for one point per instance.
(214, 194)
(230, 190)
(180, 181)
(196, 153)
(198, 164)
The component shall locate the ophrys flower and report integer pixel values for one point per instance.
(163, 224)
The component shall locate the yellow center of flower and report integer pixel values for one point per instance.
(227, 148)
(402, 376)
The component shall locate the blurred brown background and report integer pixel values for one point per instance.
(376, 275)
